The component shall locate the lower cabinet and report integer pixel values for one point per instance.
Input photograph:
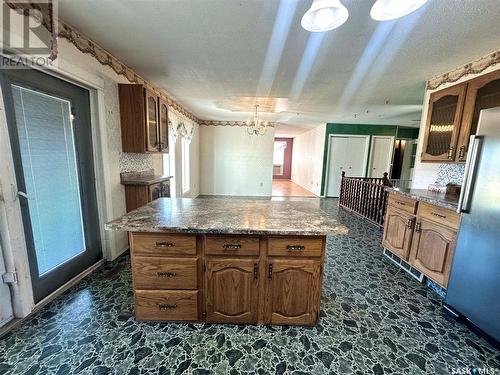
(398, 232)
(432, 251)
(227, 278)
(293, 289)
(232, 290)
(422, 234)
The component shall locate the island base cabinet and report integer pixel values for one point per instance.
(432, 251)
(293, 291)
(232, 290)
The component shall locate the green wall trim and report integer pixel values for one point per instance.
(363, 129)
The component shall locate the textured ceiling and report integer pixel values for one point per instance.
(211, 53)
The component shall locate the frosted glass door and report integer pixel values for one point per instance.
(48, 156)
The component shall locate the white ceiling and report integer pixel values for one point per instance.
(210, 52)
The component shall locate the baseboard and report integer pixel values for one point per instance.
(17, 321)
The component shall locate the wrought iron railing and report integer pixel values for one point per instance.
(365, 196)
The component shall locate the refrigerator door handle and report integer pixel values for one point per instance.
(470, 171)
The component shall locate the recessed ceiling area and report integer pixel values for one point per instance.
(207, 54)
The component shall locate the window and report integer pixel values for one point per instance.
(185, 166)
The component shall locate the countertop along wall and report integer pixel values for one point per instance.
(235, 163)
(307, 159)
(429, 173)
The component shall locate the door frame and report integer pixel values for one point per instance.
(365, 163)
(391, 161)
(11, 226)
(288, 156)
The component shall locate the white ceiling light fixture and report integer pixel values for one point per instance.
(324, 15)
(385, 10)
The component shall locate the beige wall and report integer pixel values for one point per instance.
(427, 173)
(235, 163)
(307, 159)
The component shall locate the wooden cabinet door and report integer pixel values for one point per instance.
(443, 123)
(482, 93)
(293, 291)
(152, 141)
(398, 231)
(163, 128)
(154, 191)
(432, 250)
(232, 290)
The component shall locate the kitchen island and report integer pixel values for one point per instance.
(228, 260)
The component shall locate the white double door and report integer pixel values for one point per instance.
(347, 154)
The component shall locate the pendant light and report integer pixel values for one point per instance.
(385, 10)
(324, 15)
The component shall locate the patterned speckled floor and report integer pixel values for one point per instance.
(374, 319)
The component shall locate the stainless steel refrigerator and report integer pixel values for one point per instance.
(474, 285)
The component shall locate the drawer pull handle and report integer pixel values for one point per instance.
(438, 215)
(401, 203)
(164, 244)
(167, 306)
(417, 227)
(232, 246)
(295, 247)
(166, 274)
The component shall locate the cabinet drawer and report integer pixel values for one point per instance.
(403, 203)
(295, 246)
(166, 305)
(439, 215)
(231, 245)
(164, 273)
(163, 244)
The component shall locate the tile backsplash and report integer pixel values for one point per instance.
(135, 162)
(453, 173)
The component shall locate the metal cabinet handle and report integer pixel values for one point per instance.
(232, 246)
(166, 274)
(409, 223)
(295, 247)
(270, 272)
(461, 152)
(255, 271)
(438, 215)
(417, 227)
(23, 194)
(401, 203)
(167, 306)
(164, 244)
(450, 152)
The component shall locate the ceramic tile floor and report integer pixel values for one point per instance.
(374, 319)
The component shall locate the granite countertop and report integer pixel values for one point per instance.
(141, 178)
(230, 216)
(423, 195)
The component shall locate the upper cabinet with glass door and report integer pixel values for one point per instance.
(443, 124)
(453, 117)
(144, 120)
(482, 93)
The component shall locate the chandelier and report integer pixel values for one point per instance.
(257, 126)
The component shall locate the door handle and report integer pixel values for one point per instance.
(270, 272)
(23, 194)
(470, 171)
(255, 271)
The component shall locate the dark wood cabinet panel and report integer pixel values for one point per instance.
(164, 273)
(398, 231)
(293, 291)
(482, 93)
(174, 305)
(139, 195)
(443, 124)
(232, 290)
(432, 250)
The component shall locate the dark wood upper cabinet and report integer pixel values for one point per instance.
(443, 124)
(482, 93)
(144, 130)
